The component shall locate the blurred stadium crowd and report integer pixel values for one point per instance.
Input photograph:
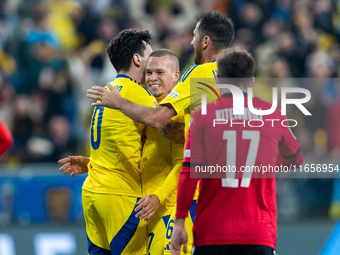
(52, 51)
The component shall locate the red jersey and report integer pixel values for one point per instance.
(237, 208)
(6, 139)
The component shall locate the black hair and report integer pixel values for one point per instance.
(218, 27)
(238, 66)
(122, 47)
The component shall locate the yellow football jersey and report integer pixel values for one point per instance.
(116, 144)
(180, 98)
(160, 167)
(160, 155)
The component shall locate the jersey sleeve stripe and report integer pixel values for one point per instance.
(214, 74)
(191, 164)
(292, 155)
(186, 75)
(149, 92)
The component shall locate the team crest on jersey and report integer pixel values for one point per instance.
(155, 102)
(173, 94)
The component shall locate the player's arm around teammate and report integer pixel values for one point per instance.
(161, 76)
(113, 186)
(213, 33)
(180, 234)
(159, 155)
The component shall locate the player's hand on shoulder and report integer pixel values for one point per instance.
(147, 206)
(74, 165)
(179, 238)
(108, 98)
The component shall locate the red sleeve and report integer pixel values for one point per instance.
(6, 139)
(192, 157)
(186, 185)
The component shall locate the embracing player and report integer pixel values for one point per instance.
(213, 33)
(161, 158)
(113, 186)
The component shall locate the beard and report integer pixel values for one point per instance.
(158, 95)
(198, 55)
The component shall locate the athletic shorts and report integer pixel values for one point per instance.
(157, 226)
(111, 225)
(233, 250)
(189, 223)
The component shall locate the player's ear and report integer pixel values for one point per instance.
(136, 59)
(218, 79)
(177, 75)
(205, 42)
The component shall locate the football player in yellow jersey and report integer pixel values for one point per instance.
(213, 33)
(160, 155)
(161, 158)
(113, 186)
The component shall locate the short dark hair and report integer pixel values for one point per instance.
(236, 65)
(162, 53)
(122, 47)
(218, 27)
(166, 52)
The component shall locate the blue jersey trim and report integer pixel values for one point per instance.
(214, 74)
(186, 74)
(95, 250)
(192, 210)
(124, 235)
(125, 76)
(166, 220)
(146, 89)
